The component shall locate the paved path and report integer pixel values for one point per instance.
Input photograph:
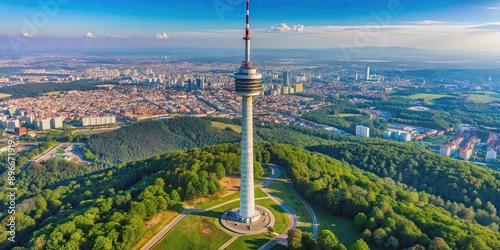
(189, 210)
(313, 216)
(282, 238)
(229, 242)
(166, 229)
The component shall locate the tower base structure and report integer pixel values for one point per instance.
(247, 220)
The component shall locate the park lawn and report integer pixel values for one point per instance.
(340, 226)
(279, 247)
(484, 97)
(250, 242)
(256, 241)
(223, 126)
(428, 98)
(53, 93)
(258, 194)
(281, 190)
(92, 131)
(3, 95)
(196, 231)
(280, 216)
(346, 115)
(164, 218)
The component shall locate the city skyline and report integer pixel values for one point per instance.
(62, 24)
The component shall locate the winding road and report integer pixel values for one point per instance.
(281, 239)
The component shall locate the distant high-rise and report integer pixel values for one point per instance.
(362, 131)
(248, 84)
(368, 77)
(287, 78)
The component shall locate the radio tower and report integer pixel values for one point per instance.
(248, 84)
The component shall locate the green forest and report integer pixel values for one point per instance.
(34, 90)
(146, 139)
(399, 196)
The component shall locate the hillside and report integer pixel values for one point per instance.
(466, 190)
(150, 138)
(109, 210)
(34, 90)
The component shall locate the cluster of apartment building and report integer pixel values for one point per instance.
(397, 135)
(493, 147)
(468, 149)
(98, 121)
(452, 147)
(472, 144)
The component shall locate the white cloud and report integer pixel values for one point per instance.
(162, 36)
(426, 22)
(26, 34)
(283, 27)
(493, 8)
(90, 35)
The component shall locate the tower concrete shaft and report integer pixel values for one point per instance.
(247, 202)
(248, 84)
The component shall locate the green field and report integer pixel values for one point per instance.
(255, 241)
(194, 232)
(221, 125)
(341, 226)
(280, 189)
(258, 194)
(250, 242)
(164, 218)
(53, 93)
(106, 86)
(202, 231)
(428, 98)
(2, 95)
(484, 97)
(346, 115)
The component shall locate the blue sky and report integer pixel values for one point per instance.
(213, 23)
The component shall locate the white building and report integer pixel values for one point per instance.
(97, 121)
(362, 131)
(42, 124)
(491, 155)
(464, 127)
(56, 122)
(11, 124)
(405, 137)
(387, 134)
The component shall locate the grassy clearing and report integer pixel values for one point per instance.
(221, 125)
(279, 247)
(93, 131)
(255, 241)
(2, 95)
(53, 93)
(484, 97)
(428, 98)
(250, 242)
(280, 216)
(161, 221)
(285, 195)
(258, 194)
(194, 232)
(346, 115)
(341, 226)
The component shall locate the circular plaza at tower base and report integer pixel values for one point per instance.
(234, 223)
